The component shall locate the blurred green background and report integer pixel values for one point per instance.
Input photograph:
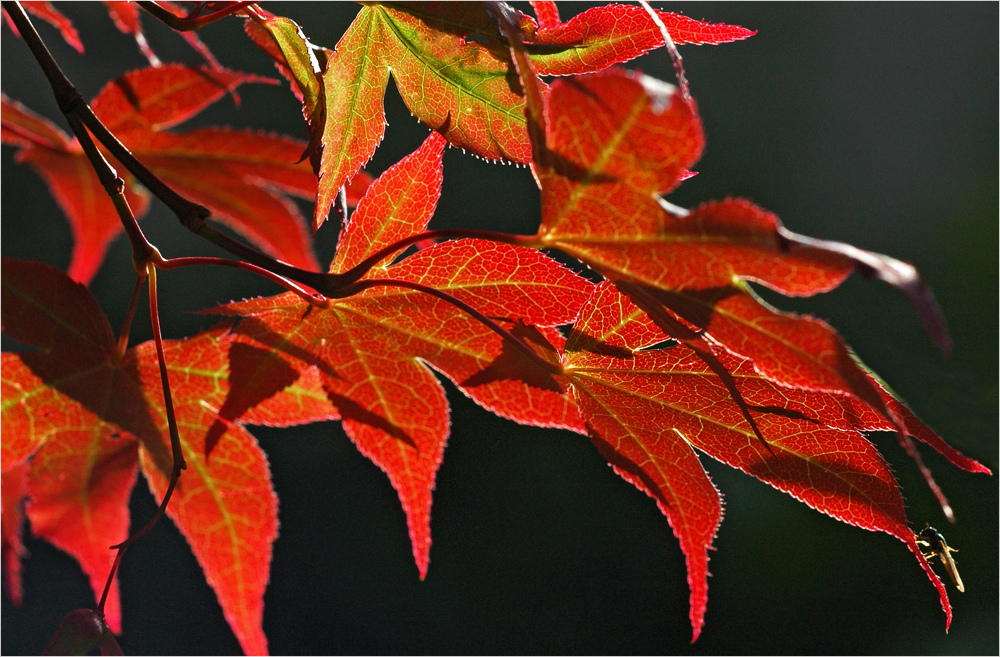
(874, 124)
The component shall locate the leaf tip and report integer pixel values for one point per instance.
(911, 543)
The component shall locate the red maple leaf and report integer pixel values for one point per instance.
(613, 34)
(79, 420)
(125, 16)
(53, 17)
(374, 351)
(448, 79)
(674, 354)
(614, 143)
(648, 409)
(242, 176)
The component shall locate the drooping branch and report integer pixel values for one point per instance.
(142, 250)
(192, 215)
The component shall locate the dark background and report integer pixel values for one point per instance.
(874, 124)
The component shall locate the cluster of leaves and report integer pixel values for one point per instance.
(666, 353)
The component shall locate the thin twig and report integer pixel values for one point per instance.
(192, 215)
(129, 315)
(177, 454)
(188, 23)
(177, 263)
(142, 250)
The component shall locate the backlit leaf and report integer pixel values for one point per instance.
(466, 90)
(73, 183)
(224, 504)
(301, 63)
(647, 407)
(241, 176)
(78, 492)
(56, 19)
(603, 36)
(84, 419)
(459, 89)
(372, 350)
(615, 142)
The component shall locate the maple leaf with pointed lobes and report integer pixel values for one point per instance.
(613, 34)
(374, 350)
(125, 16)
(464, 89)
(53, 17)
(615, 141)
(241, 176)
(301, 63)
(72, 181)
(79, 420)
(648, 410)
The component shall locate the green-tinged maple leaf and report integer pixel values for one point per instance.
(374, 351)
(603, 36)
(81, 420)
(466, 90)
(460, 89)
(241, 176)
(302, 63)
(647, 408)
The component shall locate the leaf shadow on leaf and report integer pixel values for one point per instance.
(618, 461)
(511, 365)
(130, 94)
(567, 168)
(479, 24)
(711, 312)
(648, 299)
(114, 394)
(261, 333)
(695, 307)
(255, 375)
(594, 345)
(784, 412)
(351, 411)
(783, 470)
